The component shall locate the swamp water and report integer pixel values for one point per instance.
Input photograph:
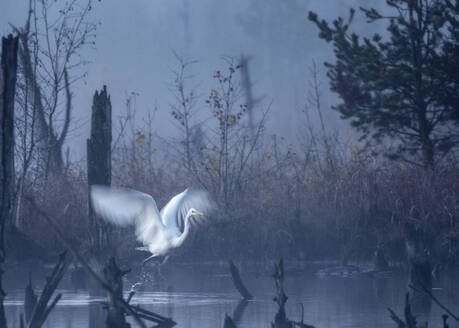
(199, 295)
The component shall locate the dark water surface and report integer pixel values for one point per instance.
(199, 295)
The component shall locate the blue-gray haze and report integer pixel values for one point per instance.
(136, 39)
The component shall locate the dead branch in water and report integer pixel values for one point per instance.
(133, 311)
(238, 281)
(41, 310)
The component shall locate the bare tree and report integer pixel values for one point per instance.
(51, 42)
(229, 147)
(184, 111)
(219, 159)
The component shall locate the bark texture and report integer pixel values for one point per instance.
(99, 160)
(8, 69)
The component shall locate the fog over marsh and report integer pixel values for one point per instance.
(136, 40)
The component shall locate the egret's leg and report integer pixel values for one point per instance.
(149, 259)
(165, 259)
(158, 267)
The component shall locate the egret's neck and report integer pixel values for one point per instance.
(186, 229)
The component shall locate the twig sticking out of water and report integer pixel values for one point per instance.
(246, 295)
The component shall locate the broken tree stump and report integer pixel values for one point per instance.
(99, 159)
(116, 316)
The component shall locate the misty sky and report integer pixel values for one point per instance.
(136, 39)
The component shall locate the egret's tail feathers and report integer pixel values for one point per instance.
(143, 248)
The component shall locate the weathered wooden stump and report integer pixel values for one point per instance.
(116, 316)
(98, 148)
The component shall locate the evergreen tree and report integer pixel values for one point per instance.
(403, 86)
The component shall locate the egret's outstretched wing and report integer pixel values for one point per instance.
(125, 206)
(174, 212)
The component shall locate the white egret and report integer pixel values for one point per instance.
(160, 232)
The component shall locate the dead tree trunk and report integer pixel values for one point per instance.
(8, 71)
(99, 159)
(249, 99)
(49, 142)
(99, 168)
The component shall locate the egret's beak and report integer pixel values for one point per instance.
(198, 213)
